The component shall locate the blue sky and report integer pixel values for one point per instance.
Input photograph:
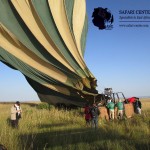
(118, 58)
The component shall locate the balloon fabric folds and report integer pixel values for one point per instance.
(45, 41)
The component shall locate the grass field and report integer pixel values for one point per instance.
(41, 129)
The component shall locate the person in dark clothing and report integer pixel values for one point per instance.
(95, 112)
(138, 106)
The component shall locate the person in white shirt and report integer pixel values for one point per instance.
(15, 114)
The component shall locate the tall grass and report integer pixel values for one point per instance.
(41, 129)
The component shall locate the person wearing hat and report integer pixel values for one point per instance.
(15, 114)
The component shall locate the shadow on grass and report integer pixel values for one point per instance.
(99, 139)
(64, 138)
(52, 125)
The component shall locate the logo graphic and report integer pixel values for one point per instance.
(102, 18)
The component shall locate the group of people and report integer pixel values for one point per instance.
(91, 115)
(92, 112)
(15, 114)
(111, 109)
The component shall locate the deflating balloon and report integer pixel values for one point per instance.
(45, 41)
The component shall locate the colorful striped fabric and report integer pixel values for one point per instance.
(45, 41)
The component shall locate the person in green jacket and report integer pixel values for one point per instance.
(111, 106)
(120, 107)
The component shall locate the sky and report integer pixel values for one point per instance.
(118, 58)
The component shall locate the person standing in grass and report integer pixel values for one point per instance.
(138, 106)
(95, 112)
(87, 113)
(120, 107)
(111, 107)
(15, 114)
